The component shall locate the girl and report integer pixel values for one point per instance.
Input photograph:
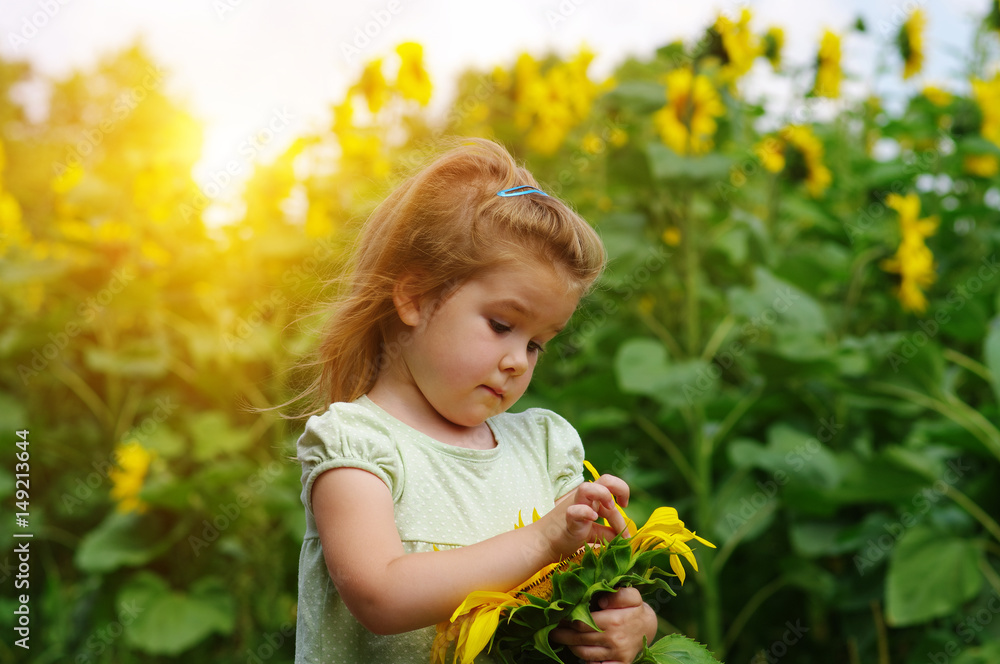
(415, 476)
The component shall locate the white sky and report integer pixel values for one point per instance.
(237, 63)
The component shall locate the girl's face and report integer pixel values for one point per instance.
(472, 355)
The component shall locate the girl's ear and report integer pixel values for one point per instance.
(406, 300)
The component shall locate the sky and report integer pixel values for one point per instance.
(242, 65)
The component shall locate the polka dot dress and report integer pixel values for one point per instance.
(443, 496)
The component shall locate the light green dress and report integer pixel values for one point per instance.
(443, 495)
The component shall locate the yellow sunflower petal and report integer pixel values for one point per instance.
(704, 541)
(481, 598)
(478, 634)
(675, 564)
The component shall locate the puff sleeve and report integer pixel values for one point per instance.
(565, 452)
(347, 436)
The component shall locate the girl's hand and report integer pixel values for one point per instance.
(625, 619)
(573, 522)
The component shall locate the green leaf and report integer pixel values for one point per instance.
(619, 554)
(149, 358)
(988, 653)
(791, 456)
(811, 539)
(931, 574)
(991, 355)
(170, 622)
(622, 234)
(542, 644)
(978, 145)
(742, 503)
(165, 442)
(568, 586)
(882, 174)
(582, 613)
(734, 244)
(876, 479)
(213, 436)
(120, 540)
(13, 414)
(676, 649)
(642, 97)
(666, 164)
(641, 365)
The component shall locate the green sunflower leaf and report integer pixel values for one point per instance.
(582, 613)
(569, 587)
(676, 649)
(542, 644)
(620, 557)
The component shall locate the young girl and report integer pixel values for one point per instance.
(414, 476)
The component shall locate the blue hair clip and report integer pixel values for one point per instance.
(520, 190)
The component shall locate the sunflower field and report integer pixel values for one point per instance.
(796, 344)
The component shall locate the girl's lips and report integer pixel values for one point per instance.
(496, 393)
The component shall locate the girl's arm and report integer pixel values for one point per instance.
(390, 592)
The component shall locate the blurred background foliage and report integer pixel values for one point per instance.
(796, 342)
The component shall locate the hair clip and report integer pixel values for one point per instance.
(520, 190)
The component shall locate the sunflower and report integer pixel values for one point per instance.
(127, 477)
(980, 165)
(550, 103)
(799, 152)
(774, 43)
(372, 86)
(517, 622)
(987, 97)
(937, 96)
(412, 80)
(913, 260)
(740, 46)
(687, 123)
(911, 43)
(828, 72)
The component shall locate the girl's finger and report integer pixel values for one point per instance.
(615, 519)
(616, 486)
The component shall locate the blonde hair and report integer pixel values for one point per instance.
(441, 227)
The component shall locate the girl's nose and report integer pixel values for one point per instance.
(515, 361)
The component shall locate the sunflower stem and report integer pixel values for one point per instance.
(702, 444)
(881, 632)
(711, 608)
(670, 447)
(747, 612)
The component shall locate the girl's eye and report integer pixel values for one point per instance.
(499, 327)
(535, 347)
